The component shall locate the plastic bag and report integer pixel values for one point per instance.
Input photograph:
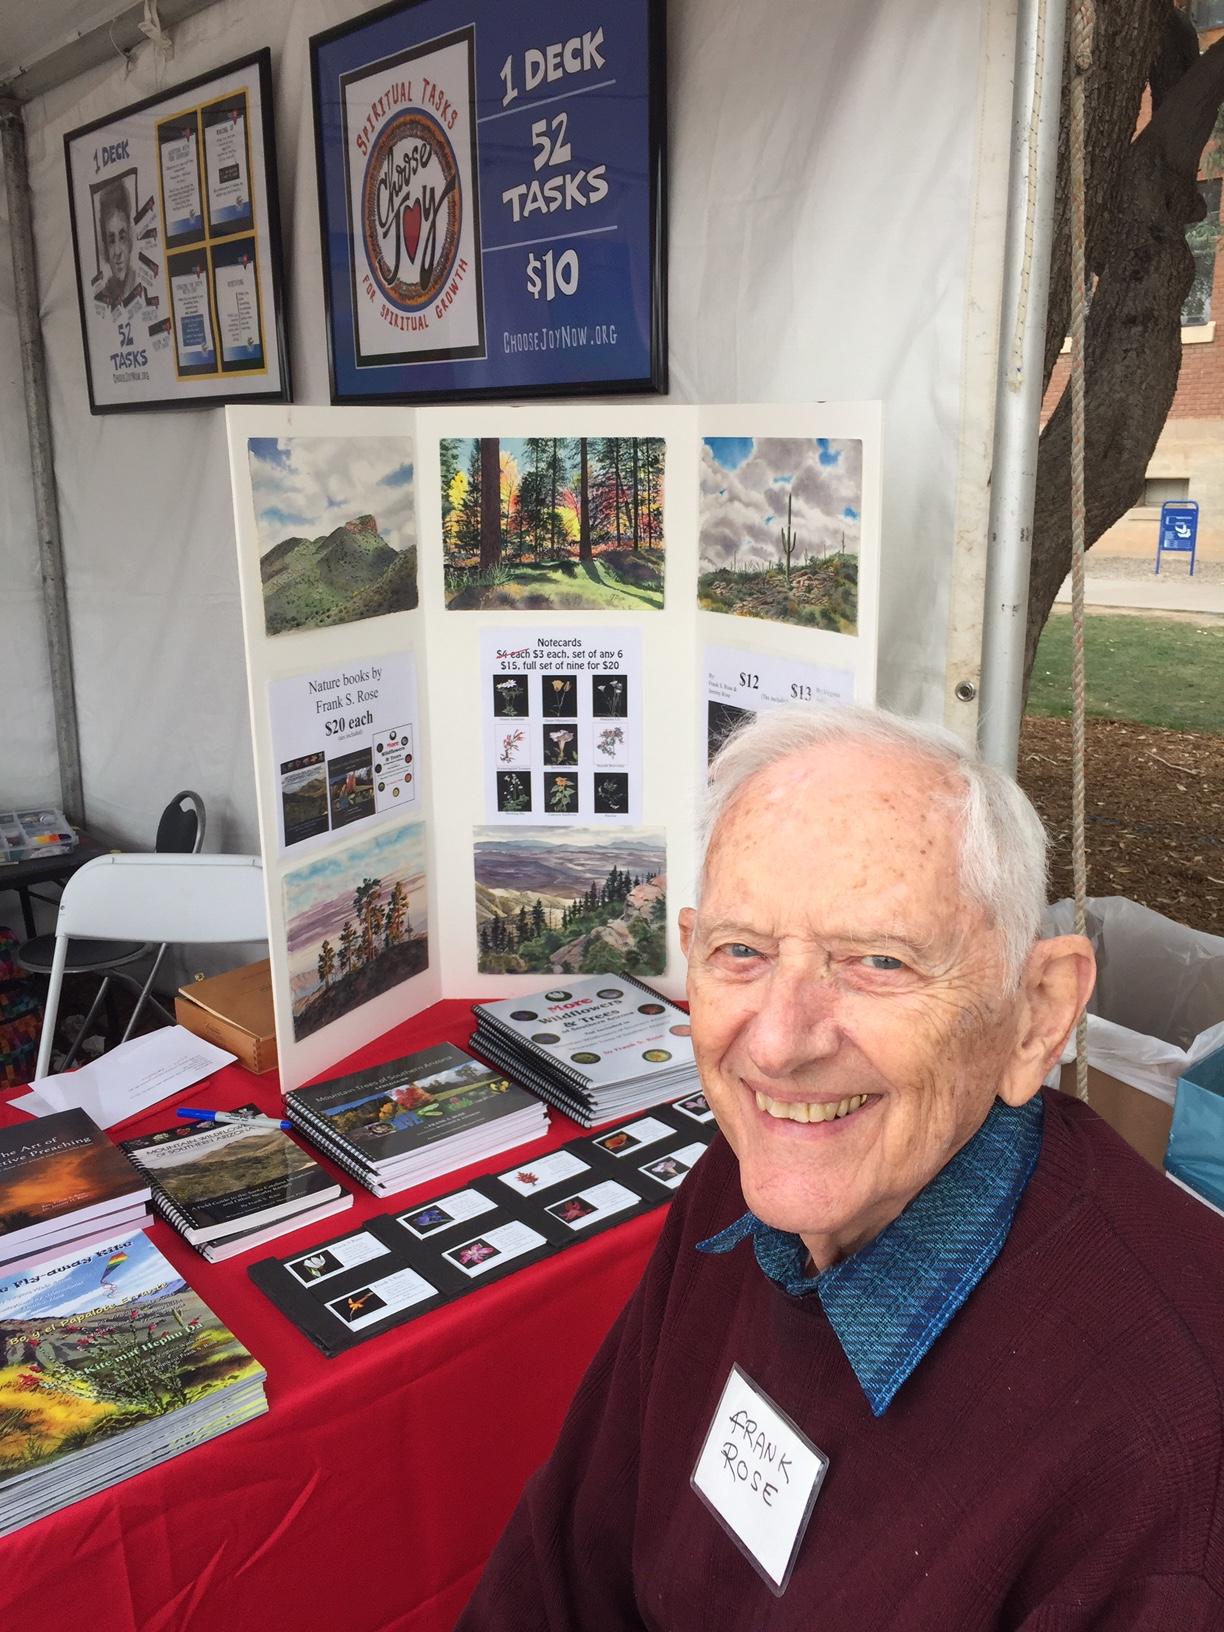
(1158, 1005)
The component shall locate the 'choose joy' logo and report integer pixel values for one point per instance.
(411, 209)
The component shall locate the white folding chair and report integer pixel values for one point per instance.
(181, 899)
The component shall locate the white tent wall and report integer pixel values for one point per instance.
(837, 178)
(29, 770)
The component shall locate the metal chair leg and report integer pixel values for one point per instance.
(86, 1023)
(144, 992)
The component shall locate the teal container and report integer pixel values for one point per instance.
(1196, 1139)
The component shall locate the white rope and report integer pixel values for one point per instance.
(1083, 19)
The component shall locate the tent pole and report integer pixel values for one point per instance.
(42, 460)
(1036, 105)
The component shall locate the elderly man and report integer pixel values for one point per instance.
(921, 1347)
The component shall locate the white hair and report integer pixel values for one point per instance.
(1002, 841)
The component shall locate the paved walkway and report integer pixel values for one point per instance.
(1126, 582)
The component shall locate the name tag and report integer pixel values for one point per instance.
(759, 1475)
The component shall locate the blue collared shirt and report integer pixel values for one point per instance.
(891, 1300)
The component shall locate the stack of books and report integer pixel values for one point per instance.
(63, 1184)
(599, 1047)
(414, 1119)
(109, 1364)
(230, 1186)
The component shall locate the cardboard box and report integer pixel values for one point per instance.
(233, 1010)
(1141, 1119)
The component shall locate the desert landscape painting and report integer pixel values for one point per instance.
(779, 529)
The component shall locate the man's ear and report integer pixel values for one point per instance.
(688, 923)
(1056, 983)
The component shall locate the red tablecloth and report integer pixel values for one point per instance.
(370, 1495)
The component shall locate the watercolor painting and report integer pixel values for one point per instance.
(577, 900)
(779, 529)
(337, 528)
(356, 923)
(574, 523)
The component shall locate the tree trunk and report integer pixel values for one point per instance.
(1132, 341)
(1140, 195)
(584, 504)
(552, 509)
(637, 537)
(490, 502)
(616, 489)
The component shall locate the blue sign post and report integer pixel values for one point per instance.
(1178, 529)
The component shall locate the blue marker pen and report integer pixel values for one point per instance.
(234, 1116)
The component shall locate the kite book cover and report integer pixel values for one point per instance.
(109, 1363)
(387, 1112)
(222, 1177)
(57, 1169)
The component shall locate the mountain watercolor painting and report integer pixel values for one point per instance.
(337, 528)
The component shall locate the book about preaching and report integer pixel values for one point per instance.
(398, 1116)
(58, 1171)
(109, 1364)
(214, 1179)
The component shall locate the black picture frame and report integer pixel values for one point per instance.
(227, 249)
(346, 64)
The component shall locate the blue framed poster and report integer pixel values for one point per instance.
(492, 199)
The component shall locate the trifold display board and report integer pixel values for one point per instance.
(489, 652)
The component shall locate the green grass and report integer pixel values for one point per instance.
(565, 586)
(1155, 671)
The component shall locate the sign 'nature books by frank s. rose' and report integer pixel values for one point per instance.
(109, 1364)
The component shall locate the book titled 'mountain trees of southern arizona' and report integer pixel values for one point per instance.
(217, 1179)
(109, 1365)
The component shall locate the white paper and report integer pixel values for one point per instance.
(647, 1130)
(743, 681)
(587, 1207)
(225, 161)
(694, 1106)
(446, 1212)
(238, 311)
(672, 1170)
(345, 741)
(321, 1264)
(562, 725)
(367, 1305)
(758, 1474)
(497, 1247)
(181, 184)
(546, 1170)
(129, 1078)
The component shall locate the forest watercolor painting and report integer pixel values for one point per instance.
(553, 523)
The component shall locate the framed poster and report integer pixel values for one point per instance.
(176, 239)
(492, 199)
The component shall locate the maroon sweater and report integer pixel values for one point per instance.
(1053, 1464)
